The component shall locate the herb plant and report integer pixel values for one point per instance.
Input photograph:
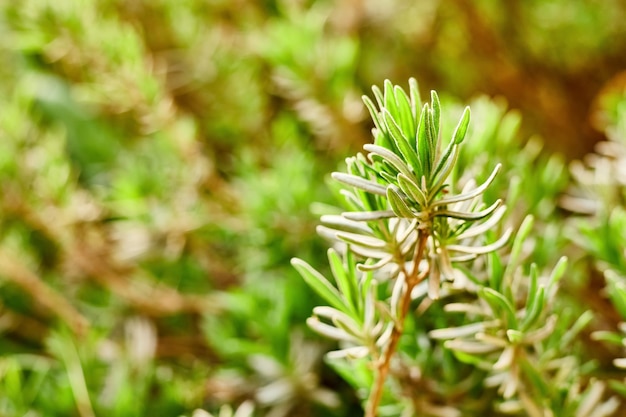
(430, 316)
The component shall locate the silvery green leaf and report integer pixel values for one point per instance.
(509, 387)
(462, 331)
(360, 183)
(407, 244)
(369, 310)
(469, 195)
(401, 141)
(407, 122)
(463, 258)
(518, 244)
(354, 352)
(327, 232)
(405, 229)
(351, 199)
(386, 176)
(461, 129)
(506, 358)
(378, 95)
(435, 116)
(385, 335)
(491, 340)
(469, 346)
(373, 112)
(398, 204)
(499, 303)
(466, 308)
(543, 332)
(481, 250)
(346, 283)
(424, 141)
(340, 222)
(510, 407)
(514, 336)
(319, 284)
(366, 216)
(330, 331)
(388, 156)
(469, 216)
(482, 228)
(412, 190)
(399, 288)
(414, 94)
(349, 326)
(361, 240)
(389, 97)
(434, 284)
(445, 161)
(375, 266)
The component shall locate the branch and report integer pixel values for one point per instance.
(412, 279)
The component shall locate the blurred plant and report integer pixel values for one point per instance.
(597, 198)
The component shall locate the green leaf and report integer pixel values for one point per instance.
(609, 337)
(416, 101)
(443, 170)
(412, 190)
(424, 143)
(320, 285)
(350, 262)
(367, 216)
(467, 358)
(534, 309)
(360, 183)
(401, 141)
(444, 158)
(557, 271)
(461, 128)
(573, 329)
(389, 156)
(471, 216)
(500, 304)
(390, 98)
(407, 123)
(470, 194)
(345, 281)
(496, 271)
(398, 205)
(515, 336)
(533, 285)
(378, 95)
(518, 243)
(435, 114)
(362, 240)
(373, 113)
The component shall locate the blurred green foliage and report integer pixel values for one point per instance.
(159, 161)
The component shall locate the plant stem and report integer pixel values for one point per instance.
(412, 279)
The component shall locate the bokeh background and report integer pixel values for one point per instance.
(161, 161)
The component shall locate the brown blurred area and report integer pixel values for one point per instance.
(550, 60)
